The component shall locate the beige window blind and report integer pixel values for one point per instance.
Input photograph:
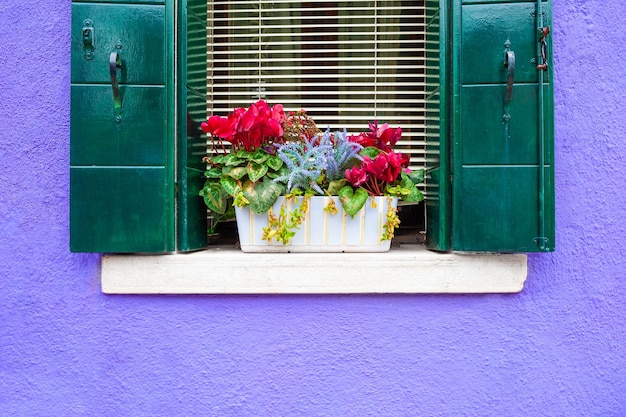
(347, 63)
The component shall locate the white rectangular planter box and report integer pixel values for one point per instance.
(320, 231)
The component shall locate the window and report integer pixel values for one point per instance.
(346, 63)
(135, 175)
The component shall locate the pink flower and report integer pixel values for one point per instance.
(385, 167)
(362, 139)
(218, 126)
(356, 176)
(382, 137)
(249, 128)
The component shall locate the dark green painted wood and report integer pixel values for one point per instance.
(489, 27)
(438, 210)
(98, 139)
(192, 93)
(120, 210)
(483, 137)
(122, 167)
(499, 209)
(139, 30)
(503, 185)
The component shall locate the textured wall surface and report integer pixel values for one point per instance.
(556, 349)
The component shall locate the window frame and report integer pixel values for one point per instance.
(179, 180)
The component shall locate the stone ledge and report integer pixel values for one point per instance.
(410, 269)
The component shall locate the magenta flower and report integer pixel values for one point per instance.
(356, 176)
(248, 128)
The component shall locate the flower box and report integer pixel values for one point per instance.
(320, 230)
(294, 188)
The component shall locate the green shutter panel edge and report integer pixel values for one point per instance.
(192, 94)
(122, 179)
(437, 126)
(502, 127)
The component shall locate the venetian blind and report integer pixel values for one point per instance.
(433, 95)
(347, 63)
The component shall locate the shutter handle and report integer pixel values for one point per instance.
(509, 64)
(115, 64)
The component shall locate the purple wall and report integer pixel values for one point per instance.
(556, 349)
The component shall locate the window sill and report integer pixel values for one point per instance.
(410, 269)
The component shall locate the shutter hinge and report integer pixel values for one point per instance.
(541, 243)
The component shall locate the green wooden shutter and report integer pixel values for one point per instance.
(192, 90)
(121, 153)
(437, 137)
(502, 150)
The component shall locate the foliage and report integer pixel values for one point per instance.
(242, 178)
(273, 155)
(314, 163)
(298, 126)
(282, 227)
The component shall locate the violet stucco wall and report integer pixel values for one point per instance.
(556, 349)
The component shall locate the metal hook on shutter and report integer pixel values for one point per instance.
(115, 64)
(545, 31)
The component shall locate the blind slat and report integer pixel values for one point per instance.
(346, 63)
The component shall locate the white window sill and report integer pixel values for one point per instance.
(410, 269)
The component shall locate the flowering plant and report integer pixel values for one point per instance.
(276, 154)
(249, 128)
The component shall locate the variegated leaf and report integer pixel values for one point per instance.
(352, 200)
(215, 197)
(262, 195)
(256, 171)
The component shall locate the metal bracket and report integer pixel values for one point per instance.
(89, 39)
(541, 242)
(543, 65)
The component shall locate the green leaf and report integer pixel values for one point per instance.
(414, 195)
(256, 171)
(262, 195)
(240, 200)
(274, 162)
(215, 197)
(218, 159)
(272, 175)
(213, 172)
(233, 160)
(352, 200)
(234, 172)
(283, 171)
(259, 156)
(230, 185)
(335, 186)
(243, 154)
(416, 176)
(370, 151)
